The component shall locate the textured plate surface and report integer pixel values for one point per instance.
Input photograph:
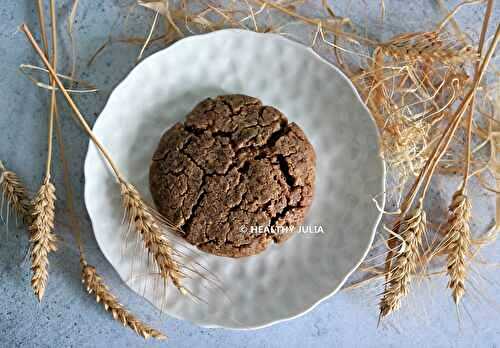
(284, 281)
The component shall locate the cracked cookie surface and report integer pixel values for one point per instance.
(234, 162)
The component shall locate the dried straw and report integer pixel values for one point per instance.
(457, 230)
(42, 237)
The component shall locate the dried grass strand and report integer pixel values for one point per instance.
(25, 68)
(150, 35)
(43, 241)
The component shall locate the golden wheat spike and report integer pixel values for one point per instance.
(15, 193)
(399, 276)
(42, 238)
(140, 218)
(458, 242)
(94, 284)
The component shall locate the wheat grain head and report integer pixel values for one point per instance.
(15, 193)
(147, 223)
(94, 284)
(42, 237)
(399, 276)
(458, 242)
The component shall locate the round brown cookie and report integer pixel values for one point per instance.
(232, 166)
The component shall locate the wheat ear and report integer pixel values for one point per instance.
(141, 218)
(457, 233)
(94, 284)
(42, 237)
(458, 242)
(399, 276)
(16, 194)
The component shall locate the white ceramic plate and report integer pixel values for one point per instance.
(284, 281)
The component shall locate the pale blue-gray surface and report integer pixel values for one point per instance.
(67, 317)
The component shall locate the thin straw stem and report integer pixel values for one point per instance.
(455, 10)
(24, 28)
(470, 117)
(53, 93)
(314, 21)
(41, 19)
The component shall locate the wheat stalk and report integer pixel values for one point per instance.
(458, 242)
(399, 276)
(458, 235)
(42, 239)
(15, 193)
(94, 284)
(141, 218)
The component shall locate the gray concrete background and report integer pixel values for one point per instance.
(67, 317)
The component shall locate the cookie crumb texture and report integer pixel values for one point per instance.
(234, 162)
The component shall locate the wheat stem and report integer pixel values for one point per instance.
(41, 20)
(42, 238)
(81, 120)
(150, 35)
(482, 39)
(53, 93)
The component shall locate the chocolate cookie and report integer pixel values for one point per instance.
(231, 173)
